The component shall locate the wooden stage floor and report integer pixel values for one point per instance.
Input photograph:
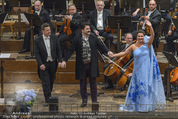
(108, 105)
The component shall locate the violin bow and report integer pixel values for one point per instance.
(113, 62)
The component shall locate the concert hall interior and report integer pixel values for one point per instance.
(91, 59)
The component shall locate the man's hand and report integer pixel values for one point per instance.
(57, 34)
(59, 64)
(42, 67)
(129, 75)
(63, 64)
(96, 32)
(110, 54)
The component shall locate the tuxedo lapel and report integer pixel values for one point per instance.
(51, 43)
(95, 16)
(104, 17)
(43, 44)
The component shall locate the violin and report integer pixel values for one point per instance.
(173, 26)
(107, 29)
(147, 29)
(174, 76)
(123, 78)
(67, 30)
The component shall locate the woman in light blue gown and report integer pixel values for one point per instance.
(145, 92)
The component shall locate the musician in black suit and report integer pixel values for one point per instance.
(37, 29)
(86, 45)
(167, 17)
(48, 56)
(171, 36)
(154, 16)
(75, 22)
(98, 22)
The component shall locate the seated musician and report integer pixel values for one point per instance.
(43, 14)
(108, 82)
(167, 17)
(171, 36)
(154, 16)
(98, 22)
(75, 21)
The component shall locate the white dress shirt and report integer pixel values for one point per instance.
(48, 47)
(100, 20)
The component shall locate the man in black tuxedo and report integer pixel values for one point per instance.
(98, 22)
(154, 16)
(167, 17)
(37, 29)
(48, 55)
(75, 22)
(86, 45)
(171, 36)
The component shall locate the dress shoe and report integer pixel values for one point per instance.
(108, 87)
(45, 105)
(23, 51)
(83, 105)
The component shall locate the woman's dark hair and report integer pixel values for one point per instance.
(141, 31)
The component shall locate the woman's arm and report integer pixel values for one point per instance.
(148, 23)
(127, 51)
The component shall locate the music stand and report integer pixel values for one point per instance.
(55, 5)
(173, 61)
(2, 19)
(131, 4)
(84, 5)
(20, 3)
(119, 22)
(163, 4)
(34, 20)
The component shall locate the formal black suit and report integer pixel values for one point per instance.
(75, 27)
(47, 77)
(92, 68)
(93, 24)
(170, 38)
(37, 29)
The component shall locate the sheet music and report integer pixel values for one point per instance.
(23, 17)
(5, 55)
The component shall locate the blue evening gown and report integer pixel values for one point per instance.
(145, 92)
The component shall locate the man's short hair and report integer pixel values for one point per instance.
(44, 25)
(84, 24)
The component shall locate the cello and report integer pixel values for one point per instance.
(174, 76)
(123, 78)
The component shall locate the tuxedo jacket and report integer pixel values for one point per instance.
(41, 52)
(155, 18)
(93, 18)
(76, 45)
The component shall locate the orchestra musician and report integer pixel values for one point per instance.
(98, 22)
(167, 17)
(154, 16)
(108, 82)
(75, 22)
(86, 45)
(172, 36)
(43, 14)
